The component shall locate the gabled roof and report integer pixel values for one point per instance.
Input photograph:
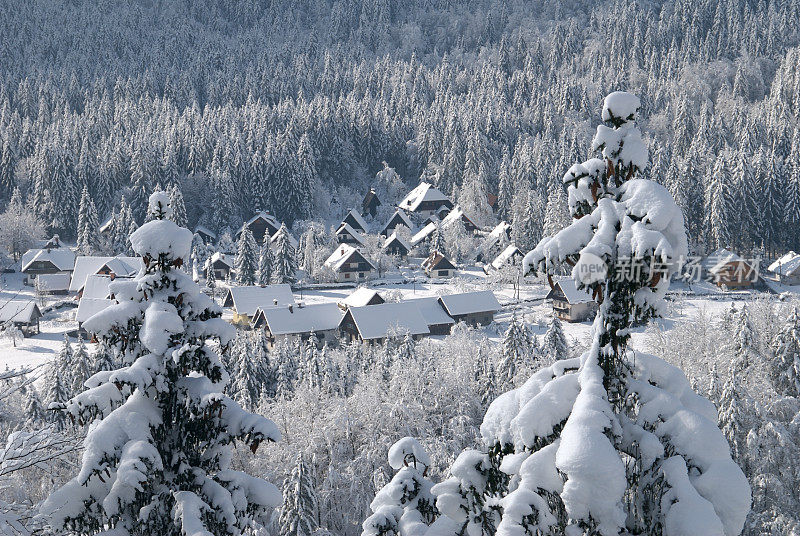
(62, 258)
(482, 301)
(342, 254)
(432, 311)
(296, 319)
(205, 230)
(88, 265)
(437, 261)
(376, 321)
(396, 239)
(786, 265)
(422, 193)
(106, 225)
(457, 213)
(53, 282)
(96, 286)
(348, 229)
(571, 292)
(505, 255)
(87, 307)
(725, 257)
(359, 222)
(397, 218)
(502, 228)
(221, 257)
(22, 311)
(246, 300)
(424, 233)
(362, 297)
(266, 216)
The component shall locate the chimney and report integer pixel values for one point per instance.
(112, 275)
(291, 308)
(274, 302)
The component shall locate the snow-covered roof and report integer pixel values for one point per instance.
(360, 297)
(294, 319)
(62, 258)
(432, 311)
(505, 256)
(246, 300)
(341, 255)
(481, 301)
(349, 229)
(437, 261)
(205, 231)
(456, 214)
(376, 321)
(357, 218)
(266, 216)
(96, 286)
(724, 258)
(19, 311)
(53, 282)
(87, 307)
(394, 238)
(106, 225)
(88, 265)
(502, 228)
(786, 265)
(422, 193)
(424, 233)
(571, 292)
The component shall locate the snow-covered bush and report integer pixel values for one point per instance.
(157, 454)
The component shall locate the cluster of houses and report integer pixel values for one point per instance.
(364, 315)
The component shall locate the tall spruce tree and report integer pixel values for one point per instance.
(554, 343)
(516, 349)
(785, 365)
(285, 261)
(157, 456)
(246, 260)
(266, 263)
(88, 225)
(299, 513)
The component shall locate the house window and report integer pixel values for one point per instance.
(347, 276)
(361, 275)
(442, 273)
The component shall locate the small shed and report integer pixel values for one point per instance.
(24, 314)
(571, 304)
(437, 266)
(439, 322)
(355, 221)
(370, 203)
(299, 321)
(349, 264)
(361, 297)
(398, 218)
(245, 301)
(346, 234)
(375, 323)
(395, 245)
(474, 308)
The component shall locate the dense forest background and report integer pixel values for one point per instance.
(294, 106)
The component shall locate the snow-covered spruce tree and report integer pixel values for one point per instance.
(101, 358)
(614, 441)
(57, 385)
(405, 506)
(516, 349)
(246, 261)
(743, 349)
(251, 373)
(285, 262)
(157, 454)
(88, 225)
(266, 262)
(178, 205)
(80, 367)
(299, 513)
(785, 365)
(554, 343)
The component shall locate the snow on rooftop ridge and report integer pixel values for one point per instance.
(392, 237)
(572, 293)
(432, 311)
(17, 310)
(295, 319)
(423, 192)
(787, 264)
(247, 299)
(360, 297)
(357, 217)
(377, 321)
(62, 258)
(505, 255)
(352, 232)
(424, 233)
(88, 307)
(481, 301)
(87, 265)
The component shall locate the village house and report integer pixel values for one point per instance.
(571, 304)
(786, 269)
(456, 214)
(473, 308)
(729, 271)
(439, 322)
(425, 200)
(355, 221)
(36, 262)
(437, 266)
(493, 241)
(260, 225)
(395, 245)
(348, 264)
(299, 321)
(87, 308)
(346, 234)
(119, 266)
(245, 301)
(24, 314)
(206, 235)
(424, 234)
(221, 264)
(370, 204)
(106, 227)
(374, 323)
(361, 297)
(54, 284)
(511, 255)
(398, 218)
